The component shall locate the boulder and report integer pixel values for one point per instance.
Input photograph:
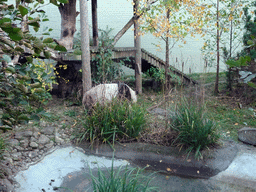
(247, 135)
(106, 92)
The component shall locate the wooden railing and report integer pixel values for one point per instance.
(124, 52)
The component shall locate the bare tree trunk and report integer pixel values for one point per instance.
(137, 43)
(230, 53)
(68, 23)
(85, 46)
(94, 23)
(216, 89)
(167, 55)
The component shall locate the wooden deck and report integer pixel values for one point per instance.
(121, 53)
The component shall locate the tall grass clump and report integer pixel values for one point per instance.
(2, 147)
(119, 119)
(2, 150)
(121, 180)
(195, 131)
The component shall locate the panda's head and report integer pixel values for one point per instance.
(124, 91)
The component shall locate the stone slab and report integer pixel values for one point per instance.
(247, 135)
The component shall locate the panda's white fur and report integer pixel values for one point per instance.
(105, 92)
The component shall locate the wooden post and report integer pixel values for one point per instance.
(85, 46)
(137, 44)
(95, 23)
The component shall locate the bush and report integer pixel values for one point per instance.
(131, 180)
(23, 93)
(195, 131)
(103, 68)
(119, 119)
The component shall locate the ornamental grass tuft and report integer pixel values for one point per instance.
(119, 119)
(195, 131)
(121, 180)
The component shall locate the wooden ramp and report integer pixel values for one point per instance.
(127, 54)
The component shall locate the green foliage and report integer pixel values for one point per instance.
(242, 61)
(22, 93)
(71, 113)
(22, 86)
(247, 56)
(2, 147)
(157, 74)
(230, 118)
(104, 69)
(250, 33)
(195, 131)
(121, 180)
(119, 118)
(20, 38)
(230, 27)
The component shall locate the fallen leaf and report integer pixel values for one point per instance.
(236, 123)
(74, 124)
(168, 169)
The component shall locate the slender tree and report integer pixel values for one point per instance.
(223, 33)
(216, 89)
(172, 21)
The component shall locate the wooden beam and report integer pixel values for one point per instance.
(131, 22)
(95, 24)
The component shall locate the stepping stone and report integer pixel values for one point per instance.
(247, 135)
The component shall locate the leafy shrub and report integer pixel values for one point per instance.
(104, 69)
(119, 119)
(195, 131)
(157, 74)
(22, 93)
(22, 87)
(131, 180)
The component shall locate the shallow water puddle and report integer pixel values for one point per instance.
(49, 173)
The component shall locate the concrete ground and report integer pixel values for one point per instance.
(229, 167)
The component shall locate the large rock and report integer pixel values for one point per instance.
(43, 140)
(106, 92)
(247, 135)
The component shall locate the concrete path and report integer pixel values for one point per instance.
(49, 173)
(232, 167)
